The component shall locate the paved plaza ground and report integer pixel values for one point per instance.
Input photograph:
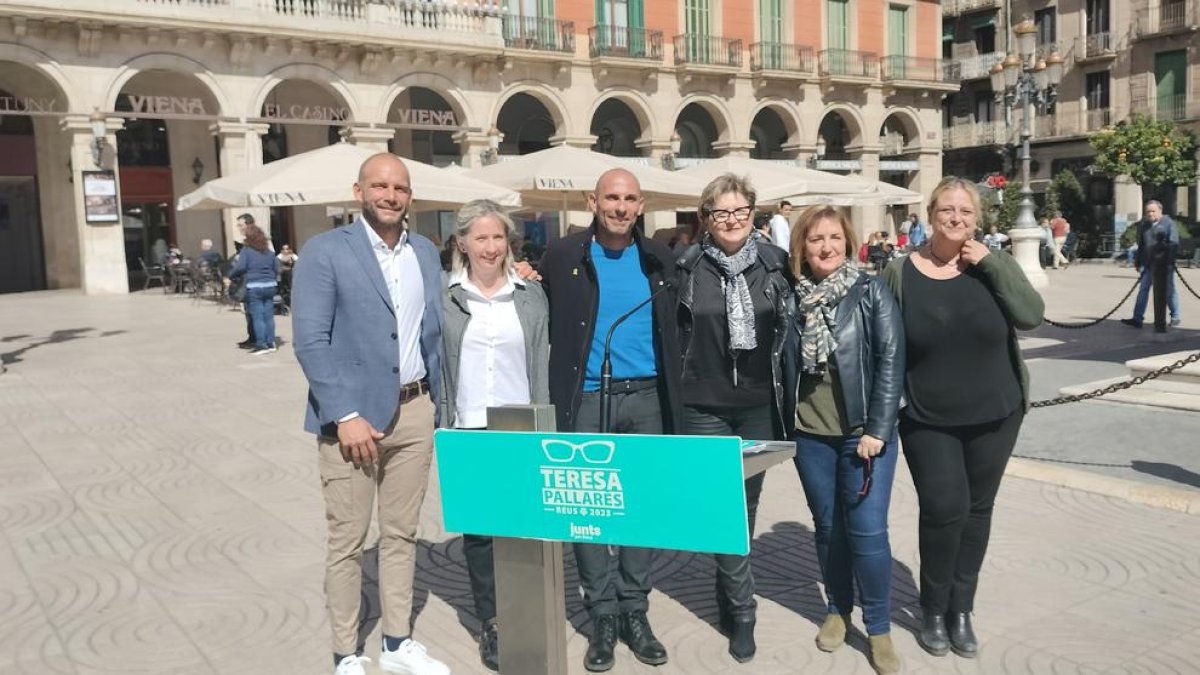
(160, 513)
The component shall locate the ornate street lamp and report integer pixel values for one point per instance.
(1021, 80)
(99, 131)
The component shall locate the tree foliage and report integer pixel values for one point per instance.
(1149, 152)
(1008, 206)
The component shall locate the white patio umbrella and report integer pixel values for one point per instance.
(885, 194)
(560, 178)
(775, 181)
(325, 176)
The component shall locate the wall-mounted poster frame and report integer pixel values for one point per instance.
(100, 203)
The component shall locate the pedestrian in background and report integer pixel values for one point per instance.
(260, 268)
(1059, 229)
(1153, 231)
(967, 391)
(781, 228)
(843, 377)
(735, 307)
(496, 351)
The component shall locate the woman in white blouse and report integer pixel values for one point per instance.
(496, 351)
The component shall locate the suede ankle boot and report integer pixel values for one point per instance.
(833, 632)
(741, 639)
(884, 658)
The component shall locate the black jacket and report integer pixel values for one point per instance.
(778, 290)
(569, 279)
(870, 358)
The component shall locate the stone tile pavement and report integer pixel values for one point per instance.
(160, 513)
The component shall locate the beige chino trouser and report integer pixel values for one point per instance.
(399, 480)
(1059, 258)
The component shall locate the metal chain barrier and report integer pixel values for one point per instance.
(1089, 324)
(1185, 283)
(1118, 386)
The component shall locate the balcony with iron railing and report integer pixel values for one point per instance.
(1045, 49)
(449, 25)
(1096, 119)
(783, 58)
(913, 72)
(972, 67)
(1175, 108)
(622, 42)
(538, 34)
(847, 65)
(1094, 47)
(707, 51)
(974, 134)
(1165, 18)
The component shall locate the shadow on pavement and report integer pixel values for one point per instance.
(1109, 341)
(57, 337)
(1172, 472)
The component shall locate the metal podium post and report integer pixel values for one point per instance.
(530, 602)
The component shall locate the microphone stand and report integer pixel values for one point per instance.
(606, 364)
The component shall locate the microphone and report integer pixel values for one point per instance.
(606, 364)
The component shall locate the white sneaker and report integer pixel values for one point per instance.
(411, 659)
(351, 665)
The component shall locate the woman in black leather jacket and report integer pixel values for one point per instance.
(735, 306)
(844, 366)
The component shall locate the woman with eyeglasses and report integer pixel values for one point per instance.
(967, 391)
(844, 367)
(496, 351)
(735, 304)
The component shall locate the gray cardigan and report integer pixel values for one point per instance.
(533, 313)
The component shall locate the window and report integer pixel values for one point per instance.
(983, 106)
(837, 31)
(897, 30)
(1045, 20)
(1097, 90)
(770, 17)
(697, 16)
(1096, 16)
(1170, 84)
(985, 39)
(947, 40)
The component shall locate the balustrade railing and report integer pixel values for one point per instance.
(973, 67)
(913, 68)
(780, 56)
(625, 42)
(847, 63)
(537, 33)
(708, 50)
(1165, 17)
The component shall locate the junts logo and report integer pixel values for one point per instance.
(578, 479)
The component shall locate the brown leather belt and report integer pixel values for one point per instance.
(413, 389)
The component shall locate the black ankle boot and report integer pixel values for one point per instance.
(741, 639)
(962, 635)
(489, 646)
(599, 656)
(933, 637)
(635, 631)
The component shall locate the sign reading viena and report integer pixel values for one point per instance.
(150, 104)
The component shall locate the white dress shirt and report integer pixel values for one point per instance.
(492, 369)
(402, 273)
(781, 231)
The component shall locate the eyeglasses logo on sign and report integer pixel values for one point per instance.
(578, 481)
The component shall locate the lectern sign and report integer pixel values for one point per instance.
(676, 492)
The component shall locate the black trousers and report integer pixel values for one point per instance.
(735, 581)
(481, 570)
(605, 590)
(957, 472)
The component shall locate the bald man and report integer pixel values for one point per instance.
(591, 278)
(367, 318)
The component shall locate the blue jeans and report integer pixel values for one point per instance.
(261, 302)
(1143, 296)
(851, 531)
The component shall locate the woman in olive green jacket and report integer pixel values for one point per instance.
(966, 390)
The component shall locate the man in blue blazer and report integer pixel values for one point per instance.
(367, 323)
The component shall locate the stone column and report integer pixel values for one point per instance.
(102, 268)
(473, 145)
(734, 148)
(657, 150)
(370, 138)
(240, 150)
(870, 218)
